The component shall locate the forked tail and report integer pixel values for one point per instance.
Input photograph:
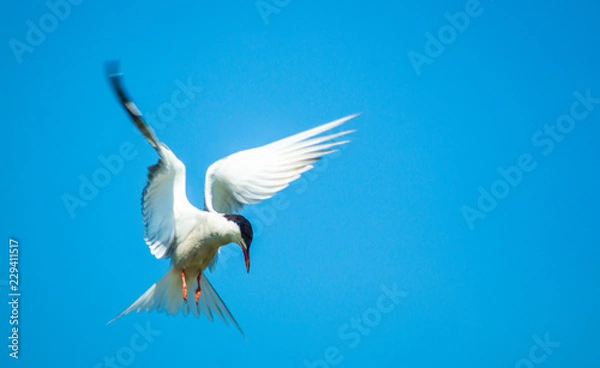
(165, 296)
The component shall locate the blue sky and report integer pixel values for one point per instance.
(407, 248)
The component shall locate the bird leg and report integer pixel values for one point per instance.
(184, 288)
(198, 288)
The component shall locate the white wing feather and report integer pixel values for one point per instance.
(168, 215)
(253, 175)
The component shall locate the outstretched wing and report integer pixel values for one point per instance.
(165, 206)
(253, 175)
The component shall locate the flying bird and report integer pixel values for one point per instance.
(191, 237)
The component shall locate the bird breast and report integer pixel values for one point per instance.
(197, 250)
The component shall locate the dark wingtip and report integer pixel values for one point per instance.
(114, 75)
(115, 78)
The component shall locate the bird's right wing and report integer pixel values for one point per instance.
(253, 175)
(165, 207)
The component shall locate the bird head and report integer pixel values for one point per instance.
(245, 236)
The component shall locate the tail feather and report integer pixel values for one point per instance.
(165, 296)
(210, 299)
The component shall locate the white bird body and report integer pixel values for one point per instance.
(193, 254)
(174, 228)
(196, 251)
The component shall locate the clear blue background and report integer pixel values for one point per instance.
(384, 211)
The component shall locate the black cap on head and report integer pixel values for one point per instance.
(245, 227)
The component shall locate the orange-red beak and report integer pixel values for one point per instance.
(246, 259)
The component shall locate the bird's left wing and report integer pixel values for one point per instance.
(168, 215)
(253, 175)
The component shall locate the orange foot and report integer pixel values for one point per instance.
(198, 288)
(184, 289)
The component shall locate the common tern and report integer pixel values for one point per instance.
(176, 229)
